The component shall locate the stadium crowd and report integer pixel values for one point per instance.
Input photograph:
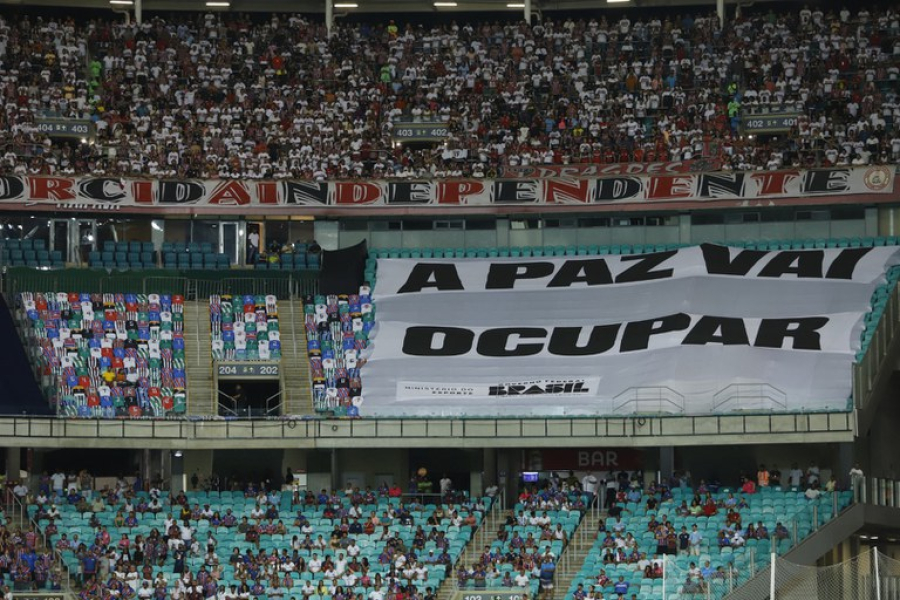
(227, 96)
(136, 566)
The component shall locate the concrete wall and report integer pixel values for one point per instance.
(295, 459)
(364, 467)
(475, 468)
(727, 462)
(878, 450)
(197, 461)
(675, 229)
(369, 467)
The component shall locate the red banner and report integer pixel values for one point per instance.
(586, 459)
(609, 191)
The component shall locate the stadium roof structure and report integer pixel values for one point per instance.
(390, 8)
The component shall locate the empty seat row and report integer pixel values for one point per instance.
(128, 247)
(26, 244)
(122, 260)
(15, 257)
(296, 261)
(196, 260)
(192, 247)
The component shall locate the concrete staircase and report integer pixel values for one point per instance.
(202, 395)
(485, 534)
(575, 552)
(201, 392)
(294, 362)
(16, 516)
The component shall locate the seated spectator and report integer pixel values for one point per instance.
(748, 487)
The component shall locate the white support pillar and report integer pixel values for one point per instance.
(772, 577)
(877, 573)
(527, 10)
(720, 10)
(329, 15)
(665, 569)
(138, 11)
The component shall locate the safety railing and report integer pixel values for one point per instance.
(489, 590)
(644, 430)
(20, 509)
(228, 405)
(100, 281)
(274, 404)
(718, 585)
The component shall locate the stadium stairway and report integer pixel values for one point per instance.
(294, 362)
(575, 552)
(201, 399)
(485, 534)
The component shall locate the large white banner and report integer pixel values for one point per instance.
(692, 331)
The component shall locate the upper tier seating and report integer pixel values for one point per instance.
(295, 257)
(193, 256)
(337, 329)
(124, 255)
(245, 327)
(770, 506)
(108, 355)
(29, 253)
(290, 530)
(588, 90)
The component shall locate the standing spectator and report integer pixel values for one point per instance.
(795, 476)
(696, 538)
(58, 480)
(589, 486)
(774, 476)
(88, 567)
(612, 488)
(762, 477)
(812, 474)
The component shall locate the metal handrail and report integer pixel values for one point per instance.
(224, 408)
(199, 322)
(276, 408)
(24, 279)
(57, 555)
(212, 427)
(293, 326)
(481, 534)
